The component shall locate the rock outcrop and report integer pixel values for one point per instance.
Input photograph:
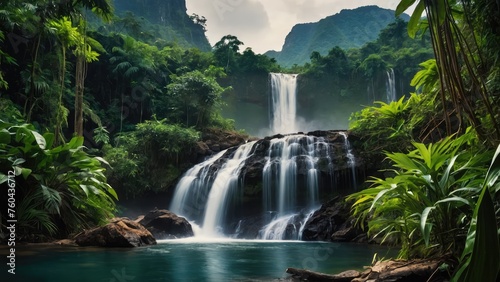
(332, 222)
(164, 224)
(120, 232)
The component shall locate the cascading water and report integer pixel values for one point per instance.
(225, 182)
(283, 103)
(291, 180)
(293, 167)
(285, 157)
(390, 86)
(191, 190)
(203, 186)
(351, 159)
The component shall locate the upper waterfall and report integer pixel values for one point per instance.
(390, 86)
(283, 104)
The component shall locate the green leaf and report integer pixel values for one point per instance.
(494, 170)
(52, 199)
(75, 142)
(102, 160)
(39, 139)
(485, 258)
(3, 178)
(18, 161)
(453, 199)
(25, 172)
(49, 139)
(403, 6)
(445, 177)
(5, 136)
(415, 18)
(424, 226)
(85, 189)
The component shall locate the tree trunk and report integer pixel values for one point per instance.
(81, 69)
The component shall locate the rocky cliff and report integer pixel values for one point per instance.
(171, 15)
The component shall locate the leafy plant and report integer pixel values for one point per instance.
(147, 159)
(60, 189)
(393, 122)
(480, 260)
(428, 204)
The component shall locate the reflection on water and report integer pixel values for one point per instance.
(189, 260)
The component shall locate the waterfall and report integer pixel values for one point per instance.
(291, 173)
(280, 188)
(350, 157)
(202, 192)
(390, 86)
(190, 192)
(225, 182)
(283, 103)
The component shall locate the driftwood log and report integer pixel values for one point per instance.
(394, 271)
(307, 275)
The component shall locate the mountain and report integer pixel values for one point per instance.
(347, 29)
(171, 16)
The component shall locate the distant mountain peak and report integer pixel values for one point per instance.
(350, 28)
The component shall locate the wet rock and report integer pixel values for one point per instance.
(120, 232)
(164, 224)
(332, 222)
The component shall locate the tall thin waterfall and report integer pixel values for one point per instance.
(390, 86)
(351, 159)
(283, 103)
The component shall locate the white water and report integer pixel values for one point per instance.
(283, 103)
(280, 171)
(280, 187)
(225, 181)
(191, 189)
(203, 194)
(390, 86)
(351, 159)
(276, 229)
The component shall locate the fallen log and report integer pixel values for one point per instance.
(304, 274)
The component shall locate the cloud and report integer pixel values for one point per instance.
(242, 18)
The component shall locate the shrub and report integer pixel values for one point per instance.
(58, 190)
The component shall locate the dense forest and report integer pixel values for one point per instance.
(97, 106)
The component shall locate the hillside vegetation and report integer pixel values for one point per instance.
(347, 29)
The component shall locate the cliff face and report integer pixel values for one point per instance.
(172, 15)
(347, 29)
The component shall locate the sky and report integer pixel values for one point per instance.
(264, 24)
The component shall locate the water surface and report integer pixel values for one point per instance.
(189, 260)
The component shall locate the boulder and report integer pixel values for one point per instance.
(332, 222)
(120, 232)
(164, 224)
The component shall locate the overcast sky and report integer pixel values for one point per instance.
(264, 24)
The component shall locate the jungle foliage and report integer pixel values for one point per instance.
(58, 189)
(441, 196)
